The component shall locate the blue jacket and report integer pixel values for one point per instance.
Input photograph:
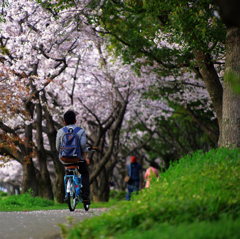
(136, 167)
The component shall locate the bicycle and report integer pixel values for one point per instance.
(73, 186)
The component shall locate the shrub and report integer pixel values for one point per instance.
(121, 195)
(3, 194)
(25, 200)
(112, 193)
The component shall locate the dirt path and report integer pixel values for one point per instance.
(39, 224)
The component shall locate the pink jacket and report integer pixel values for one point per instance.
(148, 175)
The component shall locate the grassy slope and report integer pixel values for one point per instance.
(220, 229)
(197, 198)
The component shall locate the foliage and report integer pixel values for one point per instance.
(163, 31)
(121, 195)
(198, 188)
(169, 36)
(3, 194)
(179, 134)
(112, 193)
(118, 195)
(24, 201)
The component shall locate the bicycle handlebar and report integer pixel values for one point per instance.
(91, 148)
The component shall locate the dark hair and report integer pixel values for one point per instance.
(69, 117)
(154, 165)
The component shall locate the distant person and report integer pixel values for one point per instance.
(70, 121)
(133, 170)
(151, 172)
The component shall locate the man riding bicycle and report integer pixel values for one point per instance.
(70, 121)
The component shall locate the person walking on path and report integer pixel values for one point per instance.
(151, 172)
(133, 170)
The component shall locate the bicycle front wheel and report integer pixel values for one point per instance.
(71, 197)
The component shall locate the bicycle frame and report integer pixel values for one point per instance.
(77, 182)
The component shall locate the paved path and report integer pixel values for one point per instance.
(39, 224)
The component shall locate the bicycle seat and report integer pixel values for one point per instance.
(71, 167)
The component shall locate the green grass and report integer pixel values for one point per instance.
(25, 202)
(201, 192)
(224, 228)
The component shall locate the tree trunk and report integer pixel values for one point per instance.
(59, 184)
(29, 172)
(29, 178)
(59, 168)
(122, 175)
(100, 188)
(213, 84)
(44, 181)
(100, 192)
(45, 184)
(231, 101)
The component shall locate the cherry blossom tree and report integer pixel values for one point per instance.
(25, 63)
(34, 58)
(148, 29)
(52, 61)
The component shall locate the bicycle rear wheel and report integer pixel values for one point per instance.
(71, 197)
(86, 206)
